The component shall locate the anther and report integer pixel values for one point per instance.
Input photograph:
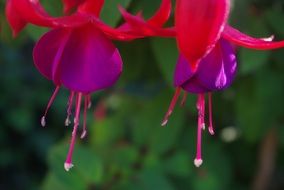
(51, 100)
(89, 101)
(67, 121)
(210, 128)
(171, 107)
(84, 133)
(42, 121)
(203, 126)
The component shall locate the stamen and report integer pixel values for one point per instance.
(68, 163)
(84, 133)
(171, 107)
(69, 109)
(51, 100)
(200, 107)
(183, 99)
(89, 101)
(203, 126)
(210, 128)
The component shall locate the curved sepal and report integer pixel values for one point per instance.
(162, 15)
(122, 33)
(27, 11)
(14, 19)
(244, 40)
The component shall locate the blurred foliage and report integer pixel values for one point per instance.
(128, 149)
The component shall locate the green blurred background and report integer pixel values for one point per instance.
(126, 148)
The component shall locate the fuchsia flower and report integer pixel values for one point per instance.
(215, 72)
(77, 52)
(207, 62)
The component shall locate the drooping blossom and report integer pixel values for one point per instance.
(215, 72)
(76, 53)
(207, 61)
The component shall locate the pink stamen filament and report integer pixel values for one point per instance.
(69, 109)
(84, 133)
(200, 107)
(183, 99)
(51, 100)
(68, 163)
(203, 112)
(210, 128)
(172, 106)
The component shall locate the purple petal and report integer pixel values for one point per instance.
(218, 69)
(48, 51)
(183, 71)
(90, 61)
(215, 72)
(185, 77)
(86, 60)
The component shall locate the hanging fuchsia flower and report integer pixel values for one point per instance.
(215, 72)
(207, 62)
(77, 53)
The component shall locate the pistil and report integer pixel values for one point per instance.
(68, 163)
(201, 108)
